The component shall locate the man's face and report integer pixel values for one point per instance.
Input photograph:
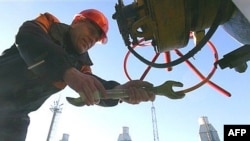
(84, 34)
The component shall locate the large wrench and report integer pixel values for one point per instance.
(164, 90)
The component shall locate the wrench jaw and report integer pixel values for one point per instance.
(75, 101)
(166, 89)
(175, 96)
(79, 101)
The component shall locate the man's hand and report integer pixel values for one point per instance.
(136, 92)
(86, 85)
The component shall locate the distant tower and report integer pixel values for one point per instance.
(207, 131)
(154, 121)
(56, 109)
(65, 137)
(125, 135)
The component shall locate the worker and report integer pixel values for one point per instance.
(46, 57)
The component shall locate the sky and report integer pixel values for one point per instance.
(177, 120)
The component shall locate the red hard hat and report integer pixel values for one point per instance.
(99, 19)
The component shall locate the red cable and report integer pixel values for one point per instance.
(167, 55)
(202, 77)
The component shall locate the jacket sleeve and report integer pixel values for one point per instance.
(41, 54)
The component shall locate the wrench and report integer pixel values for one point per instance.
(163, 90)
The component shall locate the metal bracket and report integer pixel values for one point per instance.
(236, 59)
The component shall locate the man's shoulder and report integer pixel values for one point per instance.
(48, 16)
(45, 20)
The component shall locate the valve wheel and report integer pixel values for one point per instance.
(167, 55)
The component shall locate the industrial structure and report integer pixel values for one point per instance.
(65, 137)
(207, 132)
(124, 136)
(56, 109)
(154, 121)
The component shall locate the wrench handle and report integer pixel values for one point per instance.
(111, 94)
(115, 94)
(164, 90)
(121, 93)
